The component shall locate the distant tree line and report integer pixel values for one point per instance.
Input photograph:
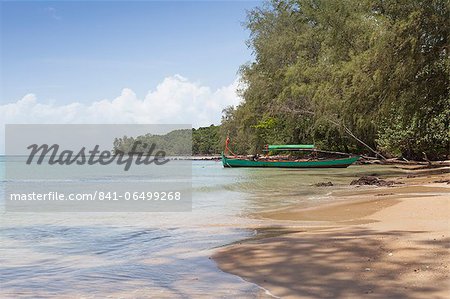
(174, 143)
(332, 72)
(201, 141)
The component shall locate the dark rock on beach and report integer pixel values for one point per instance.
(371, 180)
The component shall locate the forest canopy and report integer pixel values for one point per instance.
(328, 71)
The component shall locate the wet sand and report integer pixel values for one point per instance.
(375, 242)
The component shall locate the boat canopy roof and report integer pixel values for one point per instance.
(290, 146)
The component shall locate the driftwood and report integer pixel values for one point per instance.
(369, 158)
(395, 161)
(324, 184)
(426, 158)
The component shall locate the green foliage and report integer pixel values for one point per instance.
(204, 141)
(174, 143)
(401, 136)
(379, 69)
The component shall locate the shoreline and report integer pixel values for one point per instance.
(375, 242)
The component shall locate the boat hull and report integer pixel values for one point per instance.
(335, 163)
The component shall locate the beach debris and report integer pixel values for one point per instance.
(372, 180)
(384, 194)
(324, 184)
(367, 269)
(442, 181)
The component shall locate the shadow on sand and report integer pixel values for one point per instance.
(332, 264)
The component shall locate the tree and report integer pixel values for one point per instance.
(329, 71)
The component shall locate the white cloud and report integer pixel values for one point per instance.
(175, 100)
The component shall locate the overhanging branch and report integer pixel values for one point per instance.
(346, 129)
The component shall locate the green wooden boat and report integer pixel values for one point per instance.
(332, 163)
(314, 163)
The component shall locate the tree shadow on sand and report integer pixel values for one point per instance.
(332, 264)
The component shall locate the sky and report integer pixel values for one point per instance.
(121, 62)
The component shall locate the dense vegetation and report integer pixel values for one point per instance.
(327, 70)
(203, 141)
(174, 143)
(206, 140)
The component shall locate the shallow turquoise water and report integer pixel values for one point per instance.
(154, 254)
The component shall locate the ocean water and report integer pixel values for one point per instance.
(157, 255)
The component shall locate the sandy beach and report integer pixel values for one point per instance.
(374, 242)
